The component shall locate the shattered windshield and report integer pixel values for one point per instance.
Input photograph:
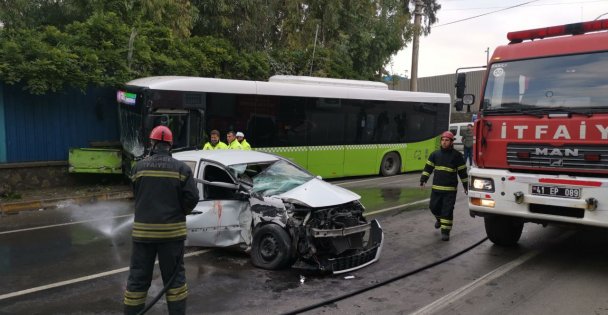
(574, 81)
(278, 178)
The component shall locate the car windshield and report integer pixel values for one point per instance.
(573, 81)
(278, 178)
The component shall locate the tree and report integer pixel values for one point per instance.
(48, 44)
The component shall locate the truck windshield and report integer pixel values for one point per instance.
(574, 81)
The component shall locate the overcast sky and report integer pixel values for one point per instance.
(464, 44)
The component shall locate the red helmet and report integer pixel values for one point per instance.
(448, 134)
(162, 133)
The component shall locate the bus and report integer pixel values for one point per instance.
(331, 127)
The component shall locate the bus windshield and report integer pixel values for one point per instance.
(573, 81)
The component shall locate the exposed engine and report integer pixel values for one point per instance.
(321, 232)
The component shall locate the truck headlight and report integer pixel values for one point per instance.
(482, 184)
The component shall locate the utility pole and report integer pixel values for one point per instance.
(417, 21)
(487, 55)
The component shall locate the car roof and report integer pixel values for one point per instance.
(226, 157)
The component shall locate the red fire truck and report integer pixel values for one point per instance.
(541, 150)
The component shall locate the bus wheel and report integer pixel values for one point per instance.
(391, 164)
(502, 230)
(271, 248)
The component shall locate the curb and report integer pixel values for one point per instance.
(49, 203)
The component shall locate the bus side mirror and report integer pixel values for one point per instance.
(461, 79)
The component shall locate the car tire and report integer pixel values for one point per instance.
(503, 230)
(391, 164)
(271, 248)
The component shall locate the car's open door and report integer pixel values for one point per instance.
(222, 216)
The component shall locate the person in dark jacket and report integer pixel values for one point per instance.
(468, 140)
(448, 165)
(164, 192)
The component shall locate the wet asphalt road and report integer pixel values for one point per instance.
(74, 261)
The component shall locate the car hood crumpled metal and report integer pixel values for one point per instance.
(317, 193)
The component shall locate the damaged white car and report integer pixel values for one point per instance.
(279, 212)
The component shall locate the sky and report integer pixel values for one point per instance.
(464, 44)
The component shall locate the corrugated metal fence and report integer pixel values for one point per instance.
(44, 127)
(445, 84)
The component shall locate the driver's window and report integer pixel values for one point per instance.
(212, 173)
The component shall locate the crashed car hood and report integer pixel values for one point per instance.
(317, 194)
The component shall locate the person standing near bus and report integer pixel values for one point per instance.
(214, 142)
(240, 137)
(233, 144)
(448, 165)
(164, 193)
(467, 141)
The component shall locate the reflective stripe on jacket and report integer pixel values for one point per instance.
(448, 166)
(164, 192)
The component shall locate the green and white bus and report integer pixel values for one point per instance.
(332, 127)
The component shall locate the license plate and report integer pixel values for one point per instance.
(555, 191)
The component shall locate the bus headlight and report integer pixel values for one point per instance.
(482, 184)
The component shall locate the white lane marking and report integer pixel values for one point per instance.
(85, 278)
(492, 275)
(64, 224)
(396, 207)
(464, 290)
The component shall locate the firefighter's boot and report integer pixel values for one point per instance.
(437, 224)
(445, 235)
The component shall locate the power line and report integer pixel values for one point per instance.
(532, 5)
(487, 13)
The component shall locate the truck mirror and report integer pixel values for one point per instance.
(458, 105)
(468, 99)
(461, 79)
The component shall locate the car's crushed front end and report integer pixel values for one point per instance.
(326, 226)
(337, 239)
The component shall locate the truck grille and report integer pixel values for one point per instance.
(547, 156)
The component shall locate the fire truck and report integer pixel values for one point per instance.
(541, 149)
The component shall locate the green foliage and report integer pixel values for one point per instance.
(47, 45)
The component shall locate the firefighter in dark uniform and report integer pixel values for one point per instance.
(447, 163)
(165, 193)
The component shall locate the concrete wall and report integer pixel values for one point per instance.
(39, 175)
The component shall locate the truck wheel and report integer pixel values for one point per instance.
(391, 164)
(271, 248)
(502, 230)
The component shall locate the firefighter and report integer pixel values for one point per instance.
(240, 137)
(164, 192)
(448, 165)
(214, 142)
(233, 144)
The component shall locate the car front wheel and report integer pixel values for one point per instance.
(271, 247)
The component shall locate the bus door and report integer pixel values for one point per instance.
(187, 126)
